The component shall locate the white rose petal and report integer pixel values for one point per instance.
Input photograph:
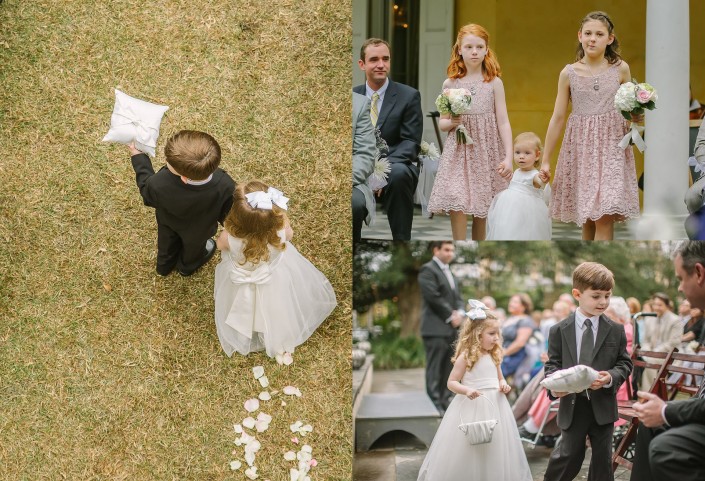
(283, 403)
(237, 428)
(288, 359)
(252, 405)
(261, 426)
(290, 455)
(251, 472)
(307, 428)
(253, 446)
(294, 474)
(250, 458)
(264, 396)
(264, 381)
(264, 417)
(292, 391)
(258, 371)
(249, 422)
(296, 426)
(235, 465)
(306, 448)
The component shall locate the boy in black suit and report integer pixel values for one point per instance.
(191, 195)
(589, 338)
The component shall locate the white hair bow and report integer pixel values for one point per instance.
(264, 200)
(477, 310)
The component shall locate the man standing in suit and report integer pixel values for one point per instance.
(587, 337)
(441, 316)
(670, 441)
(363, 163)
(395, 110)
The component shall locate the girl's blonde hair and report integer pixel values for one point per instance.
(490, 64)
(256, 227)
(612, 50)
(533, 138)
(469, 343)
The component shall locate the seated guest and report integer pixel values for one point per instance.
(661, 334)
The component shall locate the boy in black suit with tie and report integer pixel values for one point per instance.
(191, 195)
(589, 338)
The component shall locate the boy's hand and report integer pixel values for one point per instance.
(504, 387)
(603, 377)
(133, 150)
(559, 393)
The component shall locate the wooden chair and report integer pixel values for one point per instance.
(689, 389)
(625, 409)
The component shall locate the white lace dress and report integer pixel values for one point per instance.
(274, 305)
(452, 458)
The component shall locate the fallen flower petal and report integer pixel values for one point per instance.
(290, 455)
(306, 448)
(295, 440)
(283, 403)
(249, 422)
(292, 391)
(261, 426)
(253, 446)
(250, 458)
(258, 371)
(264, 417)
(264, 396)
(237, 428)
(235, 465)
(251, 472)
(264, 381)
(313, 463)
(252, 405)
(296, 426)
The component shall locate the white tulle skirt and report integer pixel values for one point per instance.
(452, 458)
(273, 306)
(519, 213)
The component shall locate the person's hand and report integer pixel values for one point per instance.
(545, 176)
(504, 387)
(559, 393)
(473, 393)
(133, 150)
(603, 377)
(649, 409)
(505, 170)
(637, 118)
(456, 319)
(454, 121)
(544, 357)
(378, 193)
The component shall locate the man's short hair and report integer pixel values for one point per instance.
(591, 275)
(692, 252)
(372, 41)
(433, 245)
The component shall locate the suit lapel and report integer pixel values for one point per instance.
(603, 330)
(568, 332)
(439, 272)
(390, 98)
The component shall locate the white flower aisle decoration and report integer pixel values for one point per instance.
(631, 99)
(251, 445)
(455, 102)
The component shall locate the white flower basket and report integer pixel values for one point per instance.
(478, 432)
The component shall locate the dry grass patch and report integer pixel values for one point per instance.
(106, 370)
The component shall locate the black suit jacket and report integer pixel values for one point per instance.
(609, 354)
(400, 122)
(193, 211)
(438, 301)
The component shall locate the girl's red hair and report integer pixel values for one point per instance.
(490, 64)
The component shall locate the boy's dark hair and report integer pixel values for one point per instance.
(193, 154)
(591, 275)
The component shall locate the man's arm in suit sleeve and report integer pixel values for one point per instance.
(432, 295)
(699, 148)
(555, 354)
(410, 132)
(623, 367)
(687, 411)
(364, 146)
(228, 203)
(143, 172)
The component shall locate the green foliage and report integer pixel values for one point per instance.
(394, 352)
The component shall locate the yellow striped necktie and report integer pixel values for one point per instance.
(373, 109)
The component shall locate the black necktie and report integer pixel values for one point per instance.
(587, 344)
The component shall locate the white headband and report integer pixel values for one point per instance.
(264, 200)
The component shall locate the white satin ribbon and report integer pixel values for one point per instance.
(242, 313)
(264, 200)
(462, 131)
(477, 310)
(635, 136)
(143, 132)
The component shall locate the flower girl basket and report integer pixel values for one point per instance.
(478, 432)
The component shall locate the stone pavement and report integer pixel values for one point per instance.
(438, 228)
(398, 456)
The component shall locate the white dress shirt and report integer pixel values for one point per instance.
(446, 271)
(580, 329)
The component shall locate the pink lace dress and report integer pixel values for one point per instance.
(467, 177)
(594, 176)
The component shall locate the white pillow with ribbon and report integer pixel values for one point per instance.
(137, 121)
(574, 379)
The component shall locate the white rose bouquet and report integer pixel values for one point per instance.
(632, 98)
(455, 102)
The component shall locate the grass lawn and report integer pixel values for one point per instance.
(107, 371)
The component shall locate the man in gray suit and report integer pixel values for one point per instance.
(587, 337)
(395, 110)
(363, 163)
(440, 318)
(670, 441)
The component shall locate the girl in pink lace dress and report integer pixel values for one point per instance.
(470, 175)
(595, 184)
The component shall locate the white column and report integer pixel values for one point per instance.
(665, 160)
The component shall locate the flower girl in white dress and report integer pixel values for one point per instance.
(520, 212)
(267, 295)
(480, 396)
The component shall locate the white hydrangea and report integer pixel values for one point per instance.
(625, 98)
